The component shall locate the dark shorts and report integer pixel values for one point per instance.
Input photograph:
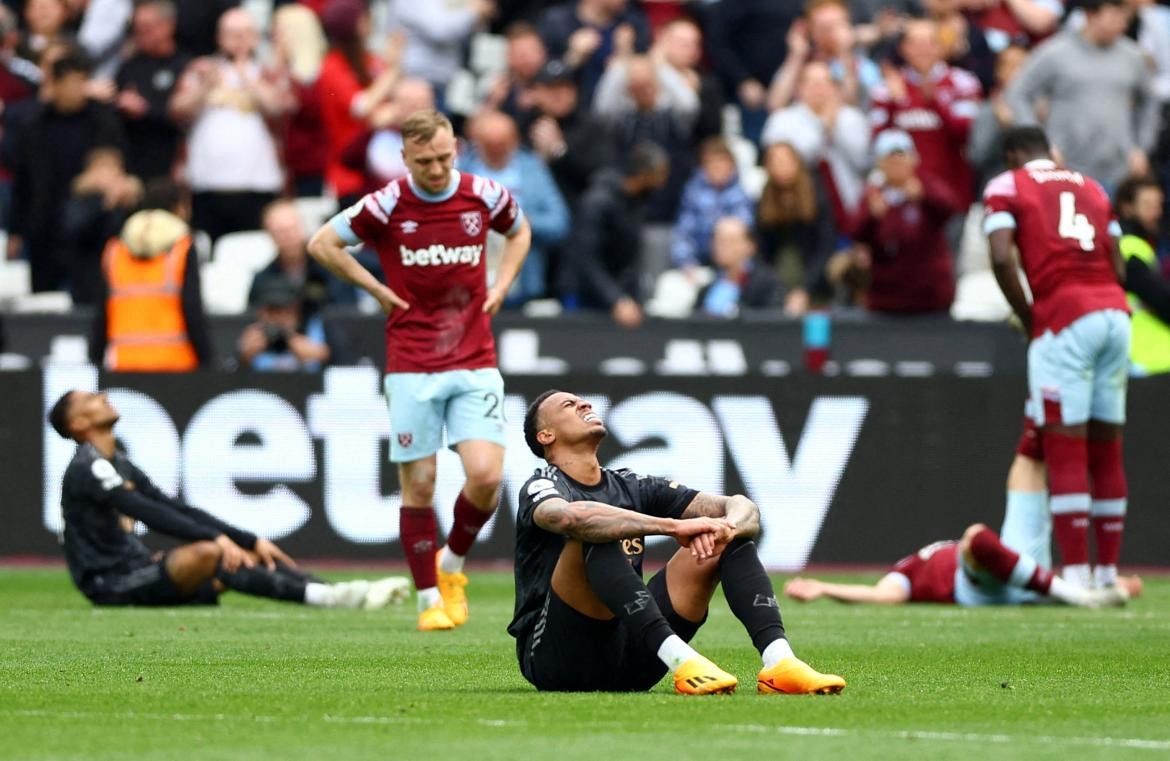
(568, 651)
(147, 585)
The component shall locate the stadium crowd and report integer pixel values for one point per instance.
(672, 157)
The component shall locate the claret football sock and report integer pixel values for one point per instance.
(749, 593)
(418, 529)
(1068, 477)
(469, 519)
(622, 590)
(1110, 500)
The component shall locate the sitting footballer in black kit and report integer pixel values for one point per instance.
(103, 493)
(585, 620)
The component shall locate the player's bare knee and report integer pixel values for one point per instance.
(207, 556)
(482, 486)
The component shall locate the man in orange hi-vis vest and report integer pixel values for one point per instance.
(152, 320)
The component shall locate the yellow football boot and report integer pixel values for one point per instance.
(452, 588)
(792, 676)
(434, 619)
(699, 676)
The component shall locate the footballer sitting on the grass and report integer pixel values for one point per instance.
(103, 493)
(585, 620)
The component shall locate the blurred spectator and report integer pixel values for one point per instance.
(103, 196)
(353, 83)
(963, 44)
(44, 25)
(19, 80)
(572, 140)
(1153, 36)
(436, 36)
(740, 281)
(46, 152)
(1102, 116)
(103, 33)
(829, 135)
(1139, 205)
(679, 45)
(145, 82)
(713, 193)
(585, 34)
(152, 319)
(903, 225)
(497, 155)
(645, 102)
(232, 161)
(747, 43)
(197, 30)
(279, 341)
(377, 152)
(985, 150)
(317, 287)
(795, 224)
(511, 92)
(825, 35)
(603, 268)
(299, 46)
(1015, 22)
(932, 101)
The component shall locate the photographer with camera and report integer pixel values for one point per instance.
(279, 341)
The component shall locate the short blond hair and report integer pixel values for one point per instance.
(421, 126)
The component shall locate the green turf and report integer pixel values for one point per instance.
(257, 679)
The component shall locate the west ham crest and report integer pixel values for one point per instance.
(404, 440)
(472, 222)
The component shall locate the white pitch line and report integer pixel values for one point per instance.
(1133, 743)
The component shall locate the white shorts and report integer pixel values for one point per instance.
(1080, 373)
(468, 403)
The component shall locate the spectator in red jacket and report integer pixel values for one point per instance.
(299, 43)
(933, 102)
(903, 224)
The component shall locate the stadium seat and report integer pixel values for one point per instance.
(202, 243)
(314, 211)
(47, 302)
(15, 280)
(978, 298)
(250, 251)
(460, 94)
(225, 287)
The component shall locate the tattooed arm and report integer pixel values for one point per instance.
(595, 522)
(737, 509)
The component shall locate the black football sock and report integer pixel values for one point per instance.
(749, 593)
(297, 573)
(619, 586)
(261, 582)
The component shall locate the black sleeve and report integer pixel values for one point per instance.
(1144, 283)
(150, 490)
(664, 498)
(536, 490)
(159, 516)
(192, 300)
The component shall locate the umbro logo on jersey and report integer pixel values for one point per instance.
(409, 226)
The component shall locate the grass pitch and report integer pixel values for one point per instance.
(258, 679)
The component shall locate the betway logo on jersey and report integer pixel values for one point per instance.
(437, 254)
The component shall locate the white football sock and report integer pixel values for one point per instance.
(1078, 574)
(776, 652)
(428, 598)
(449, 562)
(674, 652)
(1104, 576)
(318, 595)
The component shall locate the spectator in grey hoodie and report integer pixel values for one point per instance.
(1102, 117)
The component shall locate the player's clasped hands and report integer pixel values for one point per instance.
(233, 554)
(703, 536)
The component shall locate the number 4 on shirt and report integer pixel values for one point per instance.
(1074, 225)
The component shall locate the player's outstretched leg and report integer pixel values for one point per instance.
(619, 587)
(983, 550)
(1110, 494)
(752, 600)
(483, 465)
(1027, 522)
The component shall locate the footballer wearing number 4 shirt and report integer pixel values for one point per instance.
(1062, 223)
(429, 229)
